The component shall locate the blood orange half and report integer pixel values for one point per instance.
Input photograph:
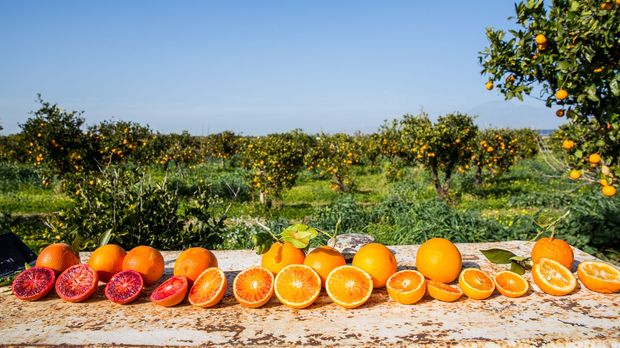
(34, 283)
(77, 283)
(124, 287)
(171, 292)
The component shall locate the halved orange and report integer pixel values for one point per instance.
(443, 291)
(511, 284)
(406, 287)
(476, 284)
(297, 286)
(253, 287)
(209, 288)
(599, 276)
(553, 278)
(348, 286)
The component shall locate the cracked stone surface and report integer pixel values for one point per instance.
(582, 318)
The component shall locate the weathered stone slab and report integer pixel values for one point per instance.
(583, 318)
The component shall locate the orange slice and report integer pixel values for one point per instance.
(599, 276)
(553, 278)
(348, 286)
(209, 288)
(511, 284)
(476, 284)
(406, 287)
(253, 287)
(442, 291)
(297, 286)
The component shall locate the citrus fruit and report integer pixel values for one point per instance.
(568, 144)
(406, 287)
(253, 287)
(209, 288)
(608, 190)
(439, 259)
(541, 39)
(561, 94)
(33, 283)
(599, 276)
(542, 47)
(594, 158)
(281, 255)
(510, 284)
(57, 256)
(349, 286)
(443, 292)
(124, 287)
(553, 278)
(323, 260)
(171, 292)
(488, 85)
(77, 283)
(476, 284)
(297, 286)
(607, 5)
(554, 249)
(376, 260)
(193, 261)
(560, 113)
(107, 260)
(574, 174)
(147, 261)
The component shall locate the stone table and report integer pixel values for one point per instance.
(580, 319)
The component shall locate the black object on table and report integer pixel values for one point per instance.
(14, 254)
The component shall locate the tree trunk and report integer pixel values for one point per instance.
(478, 176)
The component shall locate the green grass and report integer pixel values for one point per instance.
(404, 211)
(32, 200)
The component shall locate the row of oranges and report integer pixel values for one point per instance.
(297, 279)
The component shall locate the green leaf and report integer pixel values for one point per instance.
(262, 242)
(27, 265)
(516, 268)
(105, 237)
(299, 235)
(498, 256)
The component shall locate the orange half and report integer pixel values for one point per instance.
(348, 286)
(511, 284)
(599, 276)
(406, 287)
(297, 286)
(553, 278)
(476, 284)
(209, 288)
(442, 291)
(253, 287)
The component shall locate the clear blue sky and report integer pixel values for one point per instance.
(253, 66)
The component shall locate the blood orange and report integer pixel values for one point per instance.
(171, 292)
(124, 287)
(77, 283)
(34, 283)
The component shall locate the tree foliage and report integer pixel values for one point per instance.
(567, 53)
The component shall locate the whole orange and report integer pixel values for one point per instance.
(281, 255)
(376, 260)
(147, 261)
(57, 256)
(323, 260)
(439, 259)
(554, 249)
(193, 261)
(107, 260)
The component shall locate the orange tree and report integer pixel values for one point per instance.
(497, 150)
(180, 149)
(440, 147)
(568, 52)
(121, 141)
(273, 162)
(55, 141)
(334, 155)
(222, 145)
(369, 146)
